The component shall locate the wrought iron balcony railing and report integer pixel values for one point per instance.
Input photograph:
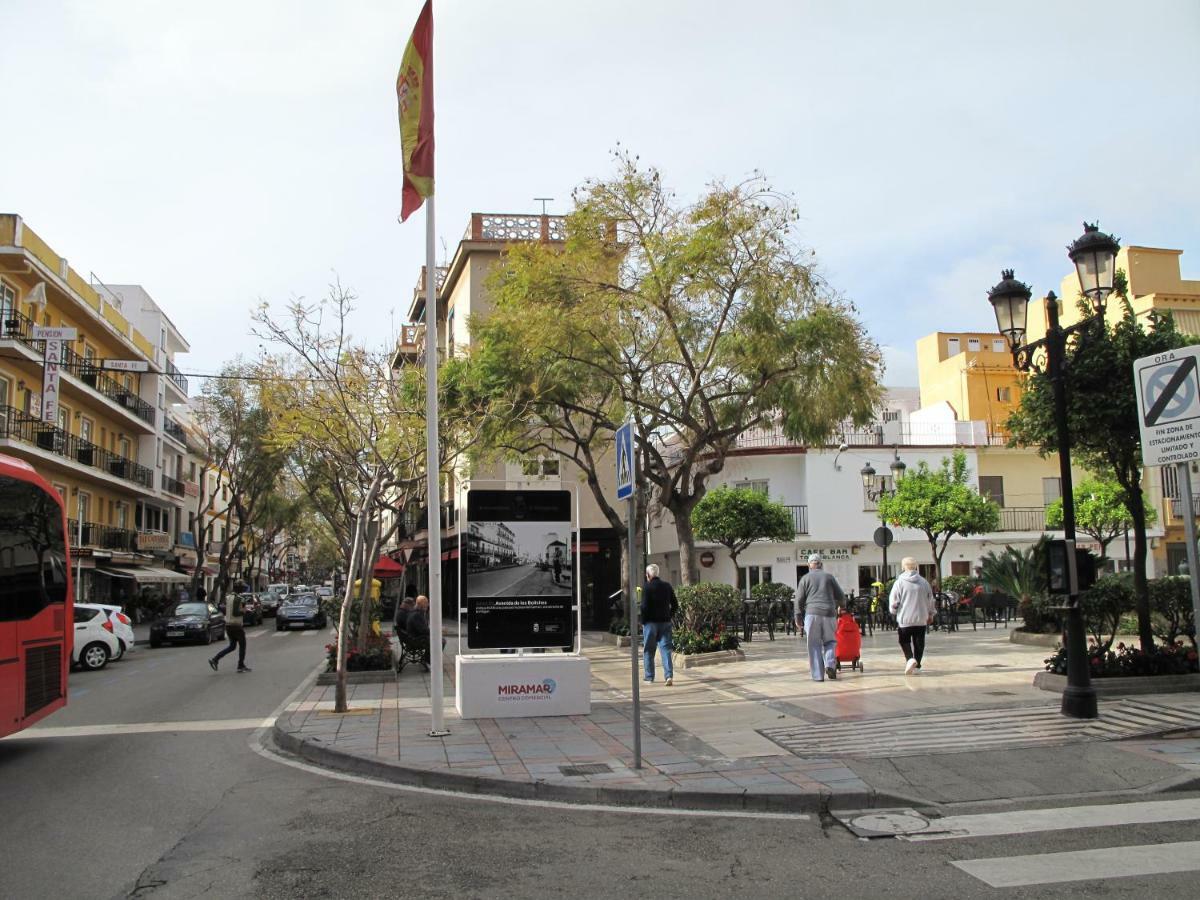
(20, 426)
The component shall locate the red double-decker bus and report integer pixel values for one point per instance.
(35, 598)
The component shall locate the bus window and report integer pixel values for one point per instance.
(33, 555)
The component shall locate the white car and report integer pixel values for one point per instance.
(122, 627)
(95, 643)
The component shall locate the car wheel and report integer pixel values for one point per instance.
(120, 650)
(93, 656)
(155, 643)
(278, 626)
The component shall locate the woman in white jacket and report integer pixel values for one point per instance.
(911, 602)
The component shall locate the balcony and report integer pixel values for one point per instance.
(799, 518)
(101, 537)
(19, 426)
(19, 326)
(174, 430)
(1023, 518)
(172, 485)
(175, 378)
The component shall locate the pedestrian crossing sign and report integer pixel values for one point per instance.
(625, 461)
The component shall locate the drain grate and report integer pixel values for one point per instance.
(587, 769)
(1001, 693)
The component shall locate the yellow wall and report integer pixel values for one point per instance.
(1022, 470)
(971, 381)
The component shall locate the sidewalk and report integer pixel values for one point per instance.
(761, 735)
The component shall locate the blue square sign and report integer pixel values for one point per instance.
(625, 464)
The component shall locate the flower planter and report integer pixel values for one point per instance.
(377, 676)
(621, 640)
(716, 658)
(1033, 639)
(1119, 687)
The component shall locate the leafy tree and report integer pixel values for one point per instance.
(1102, 418)
(698, 321)
(1100, 512)
(1020, 573)
(737, 517)
(941, 503)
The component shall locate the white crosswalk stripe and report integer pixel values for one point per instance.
(1084, 865)
(1029, 821)
(988, 729)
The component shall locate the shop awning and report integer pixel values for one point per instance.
(146, 574)
(387, 567)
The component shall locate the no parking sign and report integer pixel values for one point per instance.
(1168, 393)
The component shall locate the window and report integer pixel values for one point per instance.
(85, 429)
(83, 506)
(999, 345)
(1051, 490)
(1176, 559)
(8, 299)
(450, 334)
(759, 487)
(1170, 482)
(62, 490)
(953, 347)
(1004, 394)
(122, 515)
(64, 418)
(891, 415)
(123, 447)
(992, 487)
(192, 471)
(3, 391)
(89, 354)
(974, 345)
(960, 567)
(82, 615)
(749, 576)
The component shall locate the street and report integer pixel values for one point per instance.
(155, 781)
(516, 581)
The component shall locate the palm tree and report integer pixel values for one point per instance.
(1020, 574)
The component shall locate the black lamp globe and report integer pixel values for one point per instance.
(1095, 258)
(1010, 301)
(868, 477)
(898, 469)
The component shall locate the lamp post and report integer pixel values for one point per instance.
(1094, 255)
(879, 488)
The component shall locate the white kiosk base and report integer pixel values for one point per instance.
(539, 684)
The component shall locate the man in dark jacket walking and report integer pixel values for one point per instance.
(658, 608)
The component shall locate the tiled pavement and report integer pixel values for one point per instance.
(703, 741)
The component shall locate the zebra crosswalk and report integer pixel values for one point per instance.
(987, 729)
(1032, 869)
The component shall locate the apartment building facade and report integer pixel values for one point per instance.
(103, 448)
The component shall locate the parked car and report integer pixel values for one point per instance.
(271, 598)
(252, 609)
(122, 627)
(324, 591)
(192, 621)
(95, 643)
(301, 609)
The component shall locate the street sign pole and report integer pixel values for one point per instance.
(626, 462)
(1189, 529)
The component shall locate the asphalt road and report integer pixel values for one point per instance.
(523, 580)
(152, 810)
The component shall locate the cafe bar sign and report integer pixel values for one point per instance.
(834, 553)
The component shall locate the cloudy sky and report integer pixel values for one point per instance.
(223, 153)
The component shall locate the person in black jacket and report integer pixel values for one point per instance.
(658, 608)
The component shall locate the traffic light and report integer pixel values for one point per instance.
(1057, 575)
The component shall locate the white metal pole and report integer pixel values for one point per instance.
(433, 490)
(78, 544)
(1189, 526)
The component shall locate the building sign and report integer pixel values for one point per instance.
(126, 365)
(154, 540)
(520, 570)
(834, 553)
(50, 379)
(46, 333)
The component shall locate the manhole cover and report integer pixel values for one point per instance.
(586, 769)
(884, 822)
(1001, 693)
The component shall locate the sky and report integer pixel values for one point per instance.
(224, 154)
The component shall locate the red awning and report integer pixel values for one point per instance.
(589, 547)
(388, 567)
(450, 554)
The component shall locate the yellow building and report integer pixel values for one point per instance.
(973, 373)
(103, 446)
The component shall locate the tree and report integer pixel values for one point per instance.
(941, 503)
(737, 517)
(697, 321)
(1102, 418)
(1100, 512)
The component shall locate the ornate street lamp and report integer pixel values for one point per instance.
(876, 489)
(1094, 255)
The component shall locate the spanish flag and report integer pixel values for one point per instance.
(414, 92)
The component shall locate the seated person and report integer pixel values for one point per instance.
(403, 611)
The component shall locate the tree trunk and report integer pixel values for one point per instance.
(937, 561)
(1141, 589)
(689, 572)
(370, 551)
(339, 702)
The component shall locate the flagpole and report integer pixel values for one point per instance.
(437, 726)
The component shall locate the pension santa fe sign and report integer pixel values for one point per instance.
(1168, 394)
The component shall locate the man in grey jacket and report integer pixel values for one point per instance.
(911, 602)
(819, 596)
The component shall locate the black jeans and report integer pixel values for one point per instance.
(912, 641)
(237, 638)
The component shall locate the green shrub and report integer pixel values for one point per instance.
(377, 657)
(619, 626)
(1103, 604)
(1127, 660)
(705, 606)
(1039, 615)
(773, 597)
(963, 585)
(686, 641)
(1171, 604)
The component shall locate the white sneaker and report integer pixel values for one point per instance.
(910, 667)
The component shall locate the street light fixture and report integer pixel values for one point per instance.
(1094, 255)
(879, 488)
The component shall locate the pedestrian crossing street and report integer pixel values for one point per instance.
(1026, 870)
(987, 729)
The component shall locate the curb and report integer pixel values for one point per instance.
(745, 800)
